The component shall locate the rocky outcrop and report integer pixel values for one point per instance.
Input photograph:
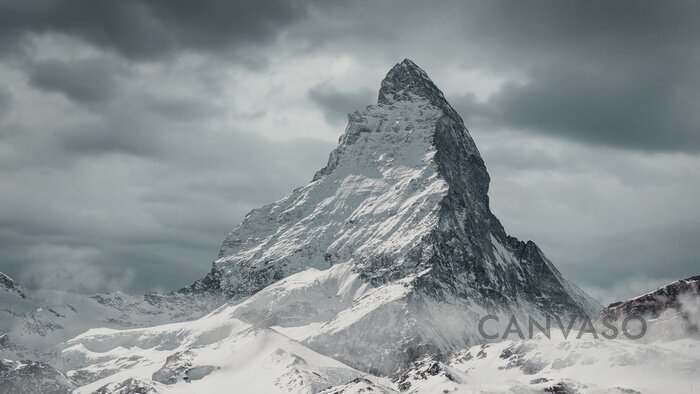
(8, 285)
(31, 377)
(673, 296)
(672, 311)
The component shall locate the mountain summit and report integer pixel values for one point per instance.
(401, 208)
(406, 80)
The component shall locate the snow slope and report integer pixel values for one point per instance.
(205, 355)
(585, 365)
(220, 351)
(33, 322)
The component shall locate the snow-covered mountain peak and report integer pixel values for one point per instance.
(400, 214)
(405, 81)
(405, 191)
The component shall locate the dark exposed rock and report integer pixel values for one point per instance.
(653, 304)
(672, 311)
(421, 369)
(357, 385)
(482, 351)
(517, 358)
(561, 388)
(405, 81)
(174, 369)
(9, 285)
(32, 377)
(178, 366)
(128, 386)
(404, 386)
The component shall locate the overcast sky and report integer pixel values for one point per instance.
(134, 135)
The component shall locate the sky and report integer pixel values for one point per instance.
(134, 135)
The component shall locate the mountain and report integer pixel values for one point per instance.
(402, 206)
(672, 296)
(404, 193)
(33, 322)
(673, 310)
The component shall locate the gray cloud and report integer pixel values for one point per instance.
(149, 29)
(109, 136)
(584, 30)
(72, 269)
(84, 81)
(336, 104)
(639, 253)
(5, 100)
(161, 219)
(630, 109)
(138, 174)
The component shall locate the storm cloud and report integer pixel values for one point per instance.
(152, 29)
(83, 81)
(336, 104)
(659, 113)
(135, 134)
